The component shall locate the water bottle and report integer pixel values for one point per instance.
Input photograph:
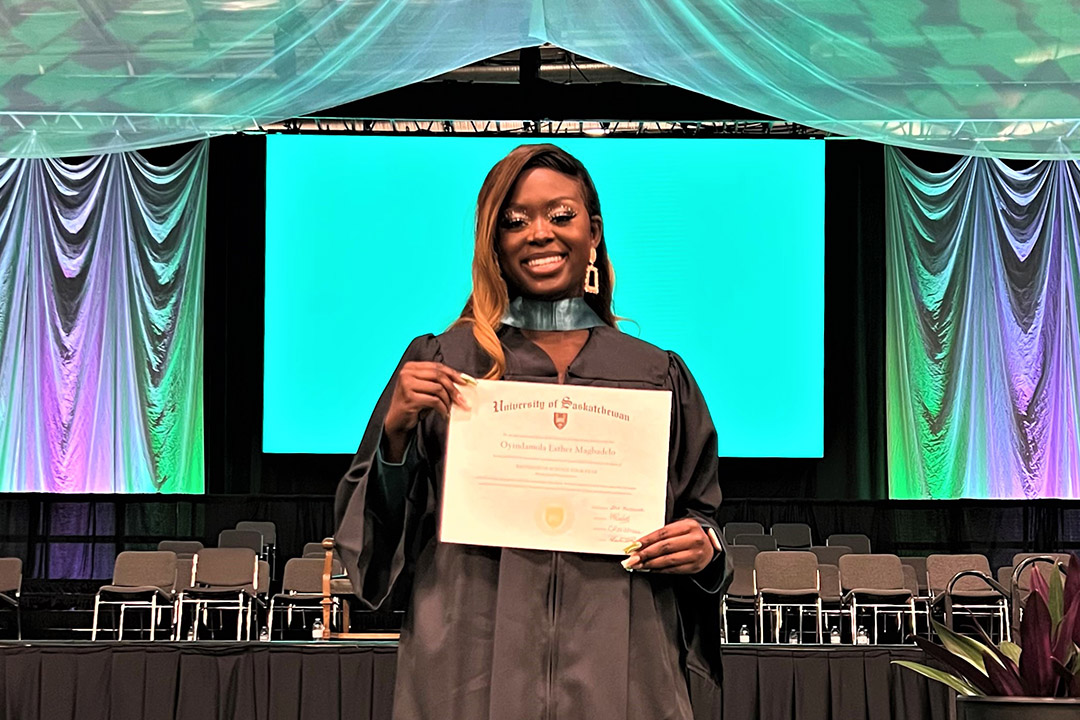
(191, 633)
(316, 629)
(793, 637)
(834, 636)
(744, 634)
(861, 638)
(264, 634)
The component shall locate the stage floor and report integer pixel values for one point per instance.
(354, 681)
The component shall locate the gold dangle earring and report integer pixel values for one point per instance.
(592, 275)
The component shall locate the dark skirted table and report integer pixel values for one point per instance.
(355, 681)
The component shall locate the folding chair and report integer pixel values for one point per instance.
(182, 548)
(313, 550)
(786, 580)
(876, 583)
(301, 591)
(832, 598)
(829, 554)
(224, 579)
(962, 585)
(733, 529)
(921, 599)
(741, 595)
(143, 580)
(1018, 580)
(792, 536)
(11, 589)
(268, 530)
(251, 539)
(761, 542)
(857, 543)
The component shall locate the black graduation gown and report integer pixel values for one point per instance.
(511, 634)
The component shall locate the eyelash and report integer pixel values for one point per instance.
(560, 217)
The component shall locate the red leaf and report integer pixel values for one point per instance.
(958, 666)
(1005, 659)
(1036, 670)
(1071, 594)
(1006, 682)
(1064, 641)
(1070, 682)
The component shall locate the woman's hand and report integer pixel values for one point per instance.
(681, 547)
(420, 387)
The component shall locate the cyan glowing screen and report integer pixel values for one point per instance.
(718, 248)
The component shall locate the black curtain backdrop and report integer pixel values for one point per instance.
(854, 461)
(327, 681)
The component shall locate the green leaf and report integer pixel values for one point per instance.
(941, 676)
(963, 647)
(1055, 601)
(1011, 650)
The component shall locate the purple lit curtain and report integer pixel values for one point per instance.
(983, 349)
(101, 277)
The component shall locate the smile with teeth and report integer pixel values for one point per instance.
(545, 263)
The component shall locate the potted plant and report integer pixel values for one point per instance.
(1039, 678)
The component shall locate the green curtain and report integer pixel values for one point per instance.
(982, 77)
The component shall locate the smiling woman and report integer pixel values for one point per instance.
(502, 632)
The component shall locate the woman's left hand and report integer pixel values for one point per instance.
(680, 547)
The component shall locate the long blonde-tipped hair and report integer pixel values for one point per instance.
(490, 296)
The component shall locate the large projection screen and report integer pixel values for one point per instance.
(717, 244)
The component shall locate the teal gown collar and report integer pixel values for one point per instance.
(568, 314)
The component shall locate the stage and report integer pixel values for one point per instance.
(325, 681)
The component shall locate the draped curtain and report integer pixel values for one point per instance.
(985, 77)
(101, 338)
(983, 348)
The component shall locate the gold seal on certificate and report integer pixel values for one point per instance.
(555, 467)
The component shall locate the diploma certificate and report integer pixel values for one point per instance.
(556, 467)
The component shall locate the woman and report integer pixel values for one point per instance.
(503, 633)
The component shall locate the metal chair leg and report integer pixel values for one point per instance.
(94, 625)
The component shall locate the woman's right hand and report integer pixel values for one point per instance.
(420, 387)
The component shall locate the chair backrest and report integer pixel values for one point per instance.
(857, 542)
(918, 564)
(829, 554)
(1023, 583)
(10, 574)
(761, 542)
(182, 548)
(241, 539)
(871, 572)
(313, 549)
(184, 567)
(786, 570)
(154, 568)
(732, 529)
(830, 582)
(267, 529)
(941, 569)
(1004, 576)
(226, 567)
(263, 585)
(742, 581)
(911, 579)
(792, 535)
(302, 575)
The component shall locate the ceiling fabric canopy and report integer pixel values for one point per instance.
(982, 77)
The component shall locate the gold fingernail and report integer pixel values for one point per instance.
(632, 547)
(468, 378)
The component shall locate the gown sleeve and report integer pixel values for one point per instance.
(695, 468)
(694, 478)
(380, 507)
